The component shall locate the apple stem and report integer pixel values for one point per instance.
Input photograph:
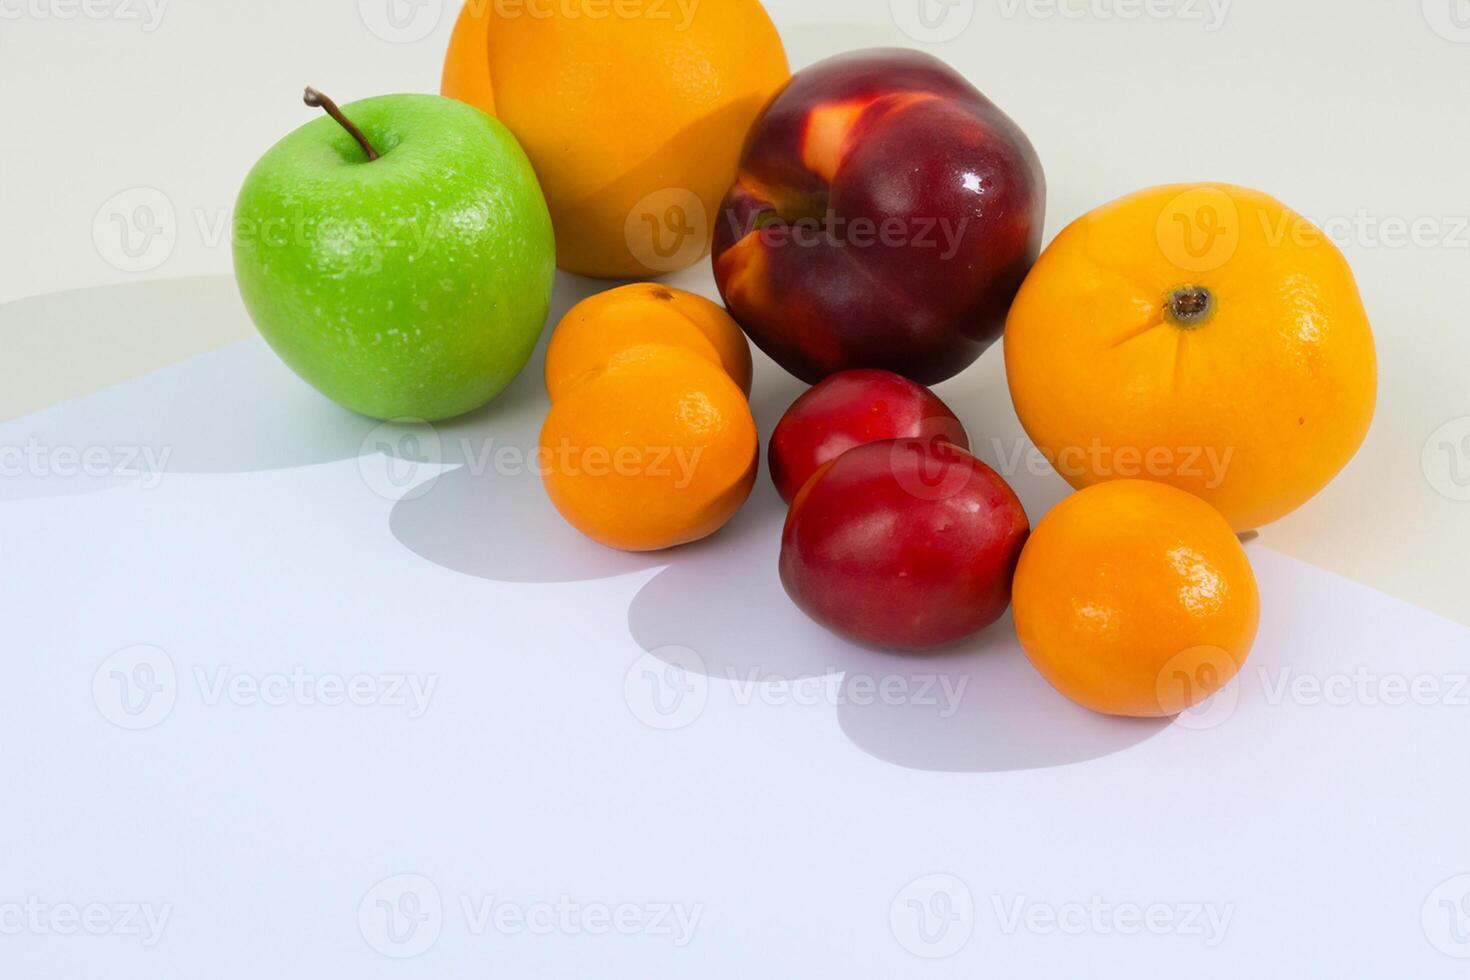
(317, 100)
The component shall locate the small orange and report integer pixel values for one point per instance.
(1135, 598)
(655, 449)
(633, 113)
(1204, 336)
(601, 326)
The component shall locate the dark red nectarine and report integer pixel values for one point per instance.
(884, 216)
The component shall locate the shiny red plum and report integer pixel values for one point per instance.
(851, 409)
(909, 544)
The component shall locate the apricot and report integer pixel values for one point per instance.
(657, 449)
(650, 442)
(600, 326)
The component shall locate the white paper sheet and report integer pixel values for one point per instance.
(296, 707)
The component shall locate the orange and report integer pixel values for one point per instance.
(601, 326)
(633, 113)
(1135, 598)
(1204, 336)
(655, 449)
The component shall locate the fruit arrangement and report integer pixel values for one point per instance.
(1188, 359)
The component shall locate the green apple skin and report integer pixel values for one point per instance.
(412, 286)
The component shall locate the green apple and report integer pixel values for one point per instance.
(397, 255)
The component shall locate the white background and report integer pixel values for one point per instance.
(1329, 827)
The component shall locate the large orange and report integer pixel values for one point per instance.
(1204, 336)
(1135, 598)
(633, 113)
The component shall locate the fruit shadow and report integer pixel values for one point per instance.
(979, 707)
(449, 523)
(237, 409)
(491, 518)
(976, 708)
